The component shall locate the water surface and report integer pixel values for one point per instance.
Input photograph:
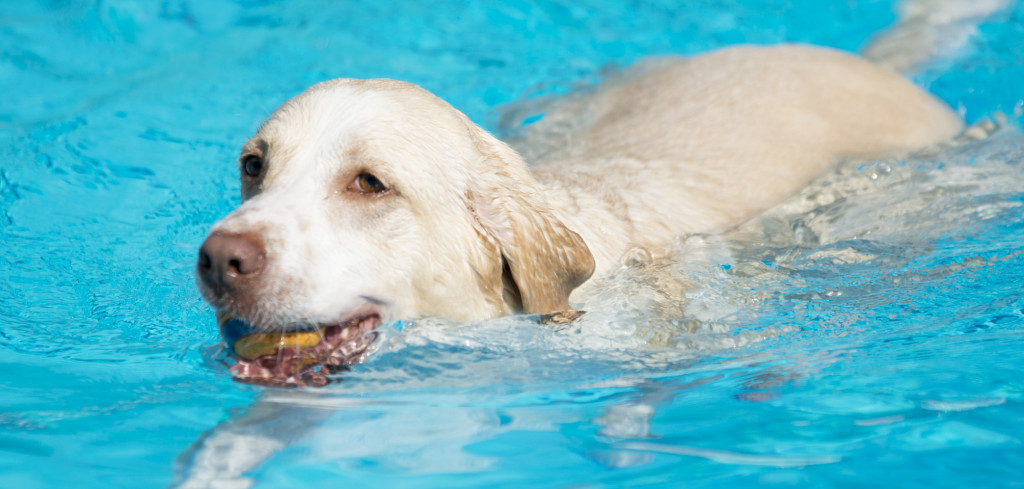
(868, 332)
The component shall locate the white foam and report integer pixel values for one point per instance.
(928, 30)
(732, 457)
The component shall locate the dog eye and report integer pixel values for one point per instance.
(369, 184)
(252, 165)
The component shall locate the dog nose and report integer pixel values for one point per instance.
(227, 259)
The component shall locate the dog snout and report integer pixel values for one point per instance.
(227, 260)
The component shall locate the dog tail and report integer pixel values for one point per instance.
(928, 30)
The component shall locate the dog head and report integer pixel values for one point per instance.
(374, 198)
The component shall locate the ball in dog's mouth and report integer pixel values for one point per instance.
(295, 358)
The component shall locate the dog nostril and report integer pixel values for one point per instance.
(236, 266)
(204, 260)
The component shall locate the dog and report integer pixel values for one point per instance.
(366, 201)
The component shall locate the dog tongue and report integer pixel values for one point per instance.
(287, 367)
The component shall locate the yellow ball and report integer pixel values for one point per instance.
(255, 345)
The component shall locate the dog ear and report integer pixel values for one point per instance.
(543, 259)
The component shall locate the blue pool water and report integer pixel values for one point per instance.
(869, 332)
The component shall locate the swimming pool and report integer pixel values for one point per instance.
(868, 332)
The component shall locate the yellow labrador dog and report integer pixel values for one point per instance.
(372, 200)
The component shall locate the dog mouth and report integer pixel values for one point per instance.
(296, 358)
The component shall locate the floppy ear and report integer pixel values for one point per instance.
(543, 259)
